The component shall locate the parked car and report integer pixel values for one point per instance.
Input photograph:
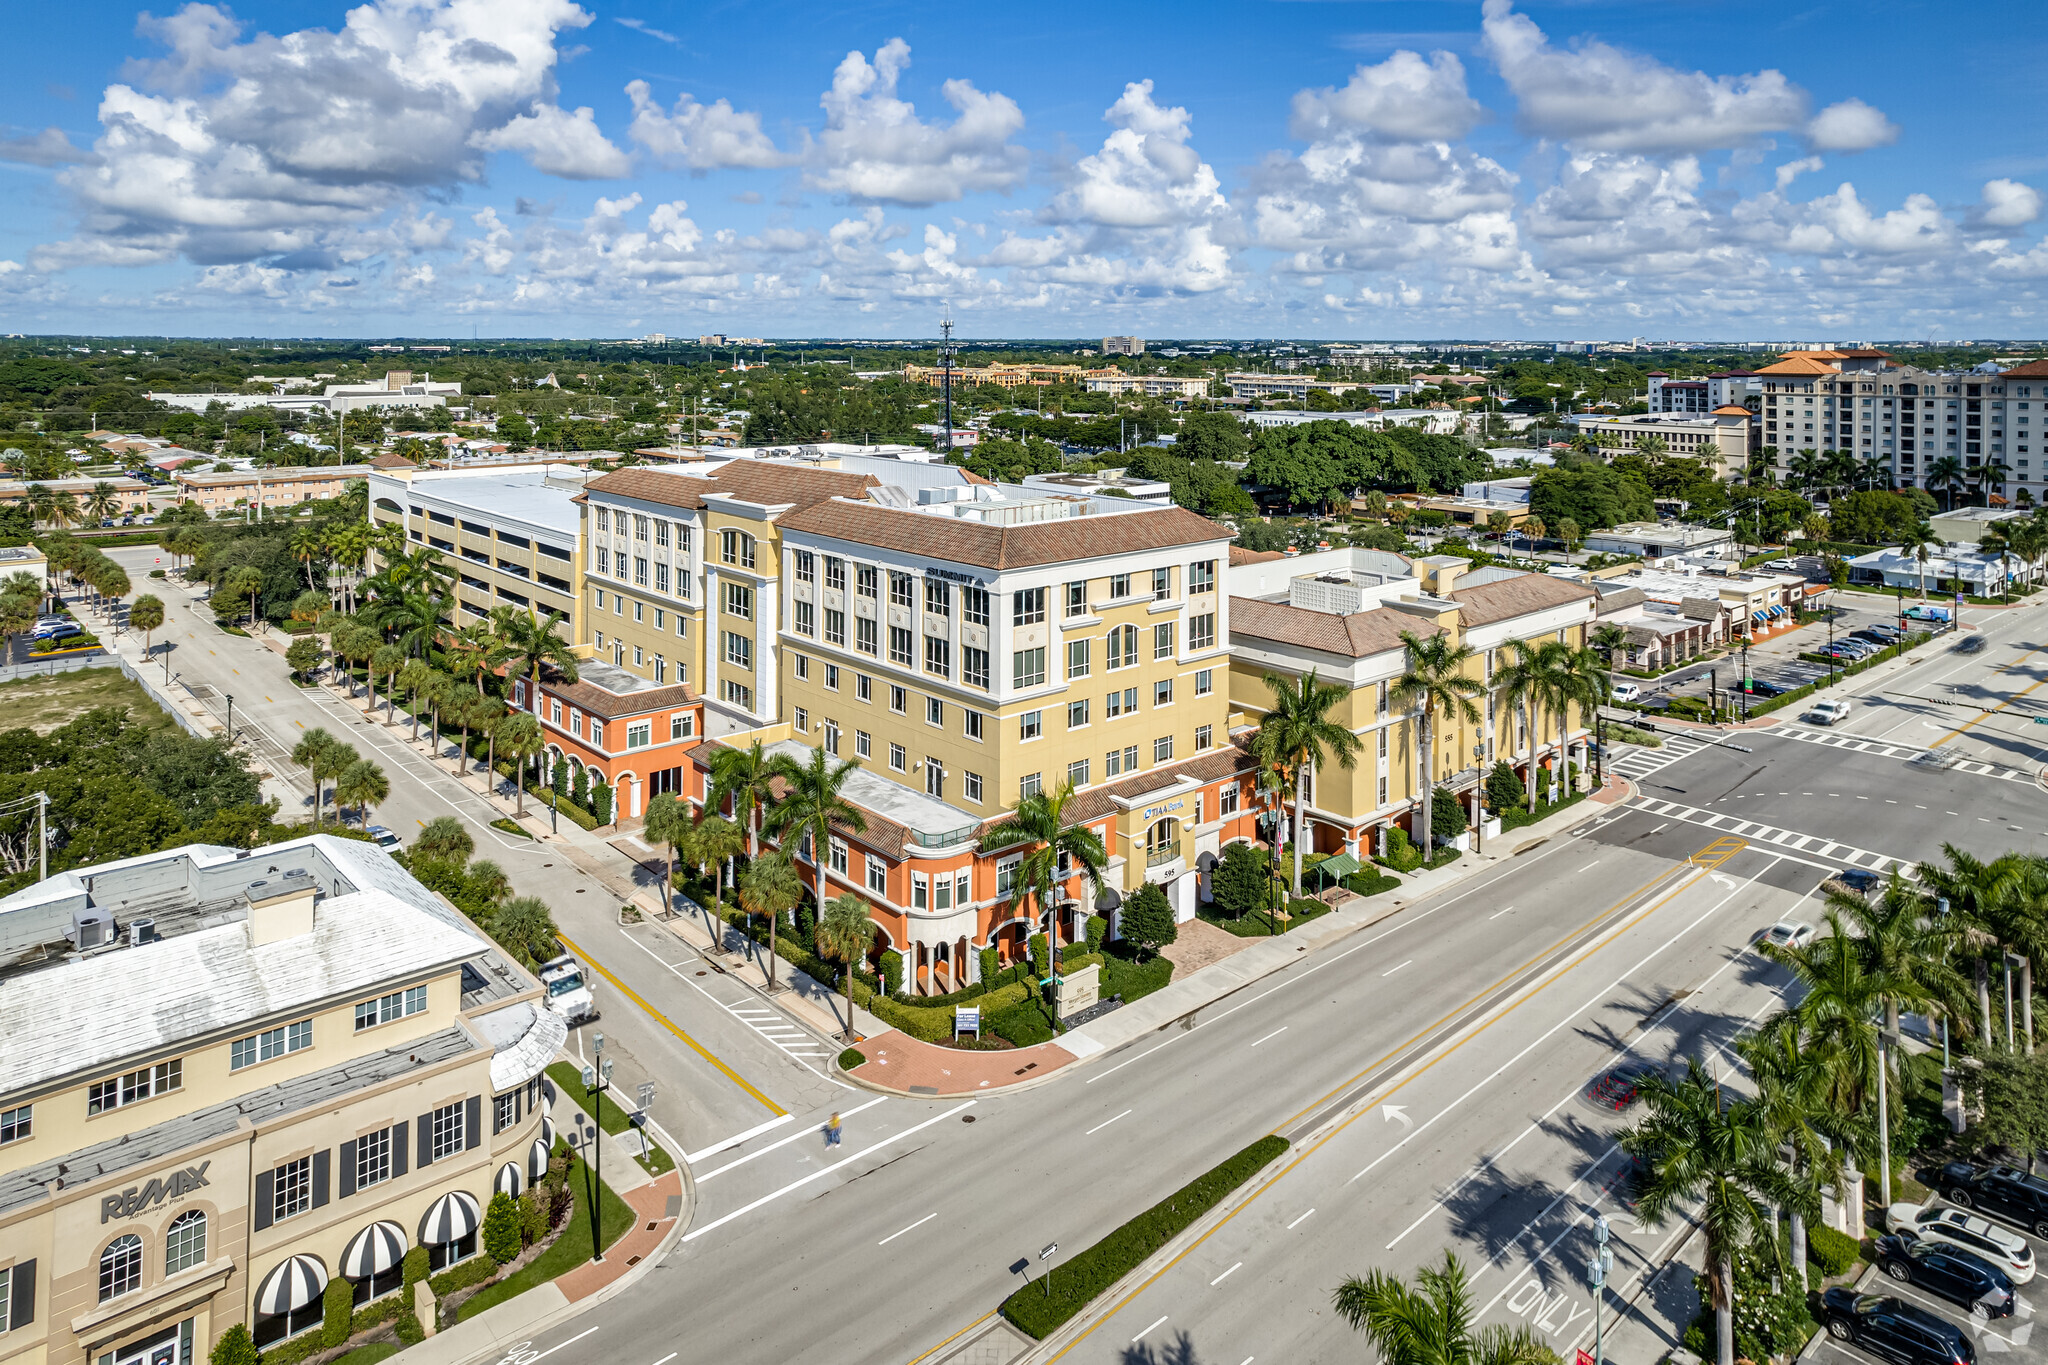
(1783, 566)
(1761, 687)
(1626, 692)
(2008, 1251)
(1874, 634)
(1970, 644)
(62, 630)
(1956, 1275)
(384, 838)
(1829, 712)
(2009, 1195)
(1788, 933)
(1895, 1330)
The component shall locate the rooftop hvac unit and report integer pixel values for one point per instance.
(140, 932)
(92, 928)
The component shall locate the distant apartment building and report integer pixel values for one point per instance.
(1006, 376)
(1147, 385)
(1727, 388)
(1263, 386)
(130, 495)
(398, 389)
(1722, 438)
(1123, 345)
(282, 486)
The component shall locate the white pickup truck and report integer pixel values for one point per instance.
(1828, 712)
(568, 990)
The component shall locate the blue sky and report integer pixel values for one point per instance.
(1335, 168)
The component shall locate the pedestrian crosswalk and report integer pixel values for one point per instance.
(1905, 752)
(1637, 764)
(1819, 849)
(776, 1028)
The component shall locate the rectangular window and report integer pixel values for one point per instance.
(1006, 879)
(938, 656)
(16, 1124)
(1204, 736)
(972, 786)
(1202, 576)
(863, 687)
(920, 891)
(1027, 668)
(806, 618)
(1162, 640)
(835, 573)
(660, 535)
(739, 650)
(1113, 763)
(1077, 714)
(942, 891)
(639, 528)
(878, 875)
(835, 627)
(900, 594)
(1202, 631)
(934, 711)
(863, 744)
(739, 601)
(446, 1134)
(868, 580)
(802, 721)
(640, 570)
(261, 1047)
(832, 738)
(938, 597)
(504, 1111)
(974, 606)
(639, 734)
(1119, 586)
(970, 723)
(1077, 599)
(1204, 682)
(660, 585)
(291, 1189)
(1027, 608)
(373, 1158)
(1077, 658)
(738, 694)
(898, 758)
(831, 677)
(900, 647)
(1162, 748)
(865, 635)
(1077, 773)
(1031, 784)
(135, 1086)
(806, 566)
(1031, 725)
(387, 1008)
(1162, 584)
(682, 725)
(1162, 692)
(837, 854)
(1226, 799)
(899, 700)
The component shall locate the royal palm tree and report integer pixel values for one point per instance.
(1041, 823)
(387, 660)
(744, 780)
(470, 711)
(1791, 1091)
(1433, 678)
(1694, 1145)
(768, 888)
(1805, 469)
(715, 843)
(413, 676)
(1579, 678)
(846, 935)
(413, 618)
(1975, 892)
(667, 822)
(1521, 682)
(362, 784)
(443, 839)
(528, 643)
(518, 736)
(307, 753)
(1906, 945)
(813, 801)
(1610, 640)
(1434, 1323)
(1921, 545)
(309, 547)
(1297, 733)
(474, 651)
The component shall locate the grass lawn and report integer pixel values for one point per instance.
(614, 1119)
(370, 1354)
(570, 1250)
(43, 704)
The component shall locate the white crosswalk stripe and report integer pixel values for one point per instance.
(1904, 752)
(1637, 764)
(776, 1028)
(1822, 850)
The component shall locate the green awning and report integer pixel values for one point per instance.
(1343, 865)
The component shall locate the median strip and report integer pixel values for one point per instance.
(1041, 1309)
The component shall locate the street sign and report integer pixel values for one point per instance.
(1585, 1357)
(646, 1094)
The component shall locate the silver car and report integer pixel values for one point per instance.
(2008, 1251)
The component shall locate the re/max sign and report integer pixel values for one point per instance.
(136, 1198)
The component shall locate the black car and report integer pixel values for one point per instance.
(1893, 1330)
(1857, 879)
(1970, 644)
(2007, 1194)
(1758, 687)
(1960, 1276)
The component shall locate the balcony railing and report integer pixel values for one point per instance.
(1163, 853)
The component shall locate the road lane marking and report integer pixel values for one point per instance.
(1588, 867)
(667, 1358)
(741, 1212)
(1299, 1221)
(1391, 970)
(793, 1137)
(736, 1139)
(1102, 1125)
(1274, 1034)
(669, 1024)
(1141, 1335)
(900, 1231)
(1225, 1275)
(747, 1016)
(1505, 909)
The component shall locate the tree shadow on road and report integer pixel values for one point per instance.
(1179, 1351)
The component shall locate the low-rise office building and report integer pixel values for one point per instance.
(509, 534)
(281, 486)
(130, 495)
(1120, 385)
(1659, 539)
(1721, 437)
(235, 1076)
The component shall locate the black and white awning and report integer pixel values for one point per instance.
(547, 1090)
(547, 1130)
(294, 1283)
(450, 1218)
(510, 1180)
(375, 1250)
(537, 1159)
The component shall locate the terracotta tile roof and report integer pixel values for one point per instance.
(1004, 547)
(1238, 556)
(752, 480)
(1511, 597)
(1354, 636)
(1798, 365)
(1097, 802)
(608, 705)
(2033, 369)
(390, 461)
(1731, 410)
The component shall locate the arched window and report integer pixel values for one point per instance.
(185, 1242)
(1162, 842)
(737, 547)
(120, 1267)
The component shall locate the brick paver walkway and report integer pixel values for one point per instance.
(655, 1207)
(900, 1062)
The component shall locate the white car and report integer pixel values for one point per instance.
(1783, 566)
(568, 992)
(1959, 1228)
(1625, 692)
(1789, 933)
(383, 838)
(1829, 712)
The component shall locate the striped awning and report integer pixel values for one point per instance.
(373, 1251)
(547, 1130)
(294, 1283)
(450, 1218)
(537, 1159)
(510, 1180)
(547, 1089)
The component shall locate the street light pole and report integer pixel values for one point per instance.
(1596, 1274)
(1885, 1038)
(597, 1079)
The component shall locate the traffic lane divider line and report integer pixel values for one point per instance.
(847, 1113)
(670, 1025)
(737, 1139)
(917, 1360)
(1319, 1143)
(735, 1012)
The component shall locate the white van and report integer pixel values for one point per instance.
(1828, 712)
(1626, 692)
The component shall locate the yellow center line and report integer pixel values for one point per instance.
(1988, 714)
(1312, 1150)
(669, 1024)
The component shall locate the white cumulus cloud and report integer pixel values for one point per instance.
(874, 146)
(701, 137)
(1403, 99)
(1851, 126)
(558, 142)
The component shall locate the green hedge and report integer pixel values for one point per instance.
(1520, 816)
(475, 1270)
(1040, 1309)
(1799, 694)
(1833, 1252)
(570, 810)
(935, 1025)
(851, 1058)
(1368, 882)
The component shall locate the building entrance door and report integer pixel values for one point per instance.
(172, 1346)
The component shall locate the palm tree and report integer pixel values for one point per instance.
(526, 926)
(388, 659)
(716, 842)
(476, 650)
(1874, 472)
(102, 502)
(444, 840)
(667, 822)
(745, 780)
(1579, 680)
(529, 642)
(845, 934)
(1296, 733)
(1975, 892)
(488, 880)
(518, 736)
(1433, 677)
(769, 887)
(413, 618)
(1521, 681)
(413, 676)
(1946, 475)
(1805, 468)
(307, 754)
(362, 784)
(812, 803)
(1921, 544)
(1432, 1324)
(434, 693)
(40, 501)
(468, 711)
(1041, 821)
(1906, 945)
(490, 712)
(308, 544)
(146, 614)
(1694, 1145)
(1791, 1085)
(1609, 639)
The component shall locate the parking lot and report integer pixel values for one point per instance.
(2012, 1337)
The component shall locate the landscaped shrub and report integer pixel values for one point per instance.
(337, 1306)
(1243, 880)
(601, 803)
(934, 1024)
(1041, 955)
(579, 789)
(990, 963)
(1446, 815)
(1039, 1309)
(1148, 919)
(534, 1216)
(1401, 855)
(1832, 1252)
(1130, 980)
(475, 1270)
(1370, 882)
(501, 1228)
(235, 1347)
(851, 1058)
(892, 970)
(1095, 928)
(1504, 790)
